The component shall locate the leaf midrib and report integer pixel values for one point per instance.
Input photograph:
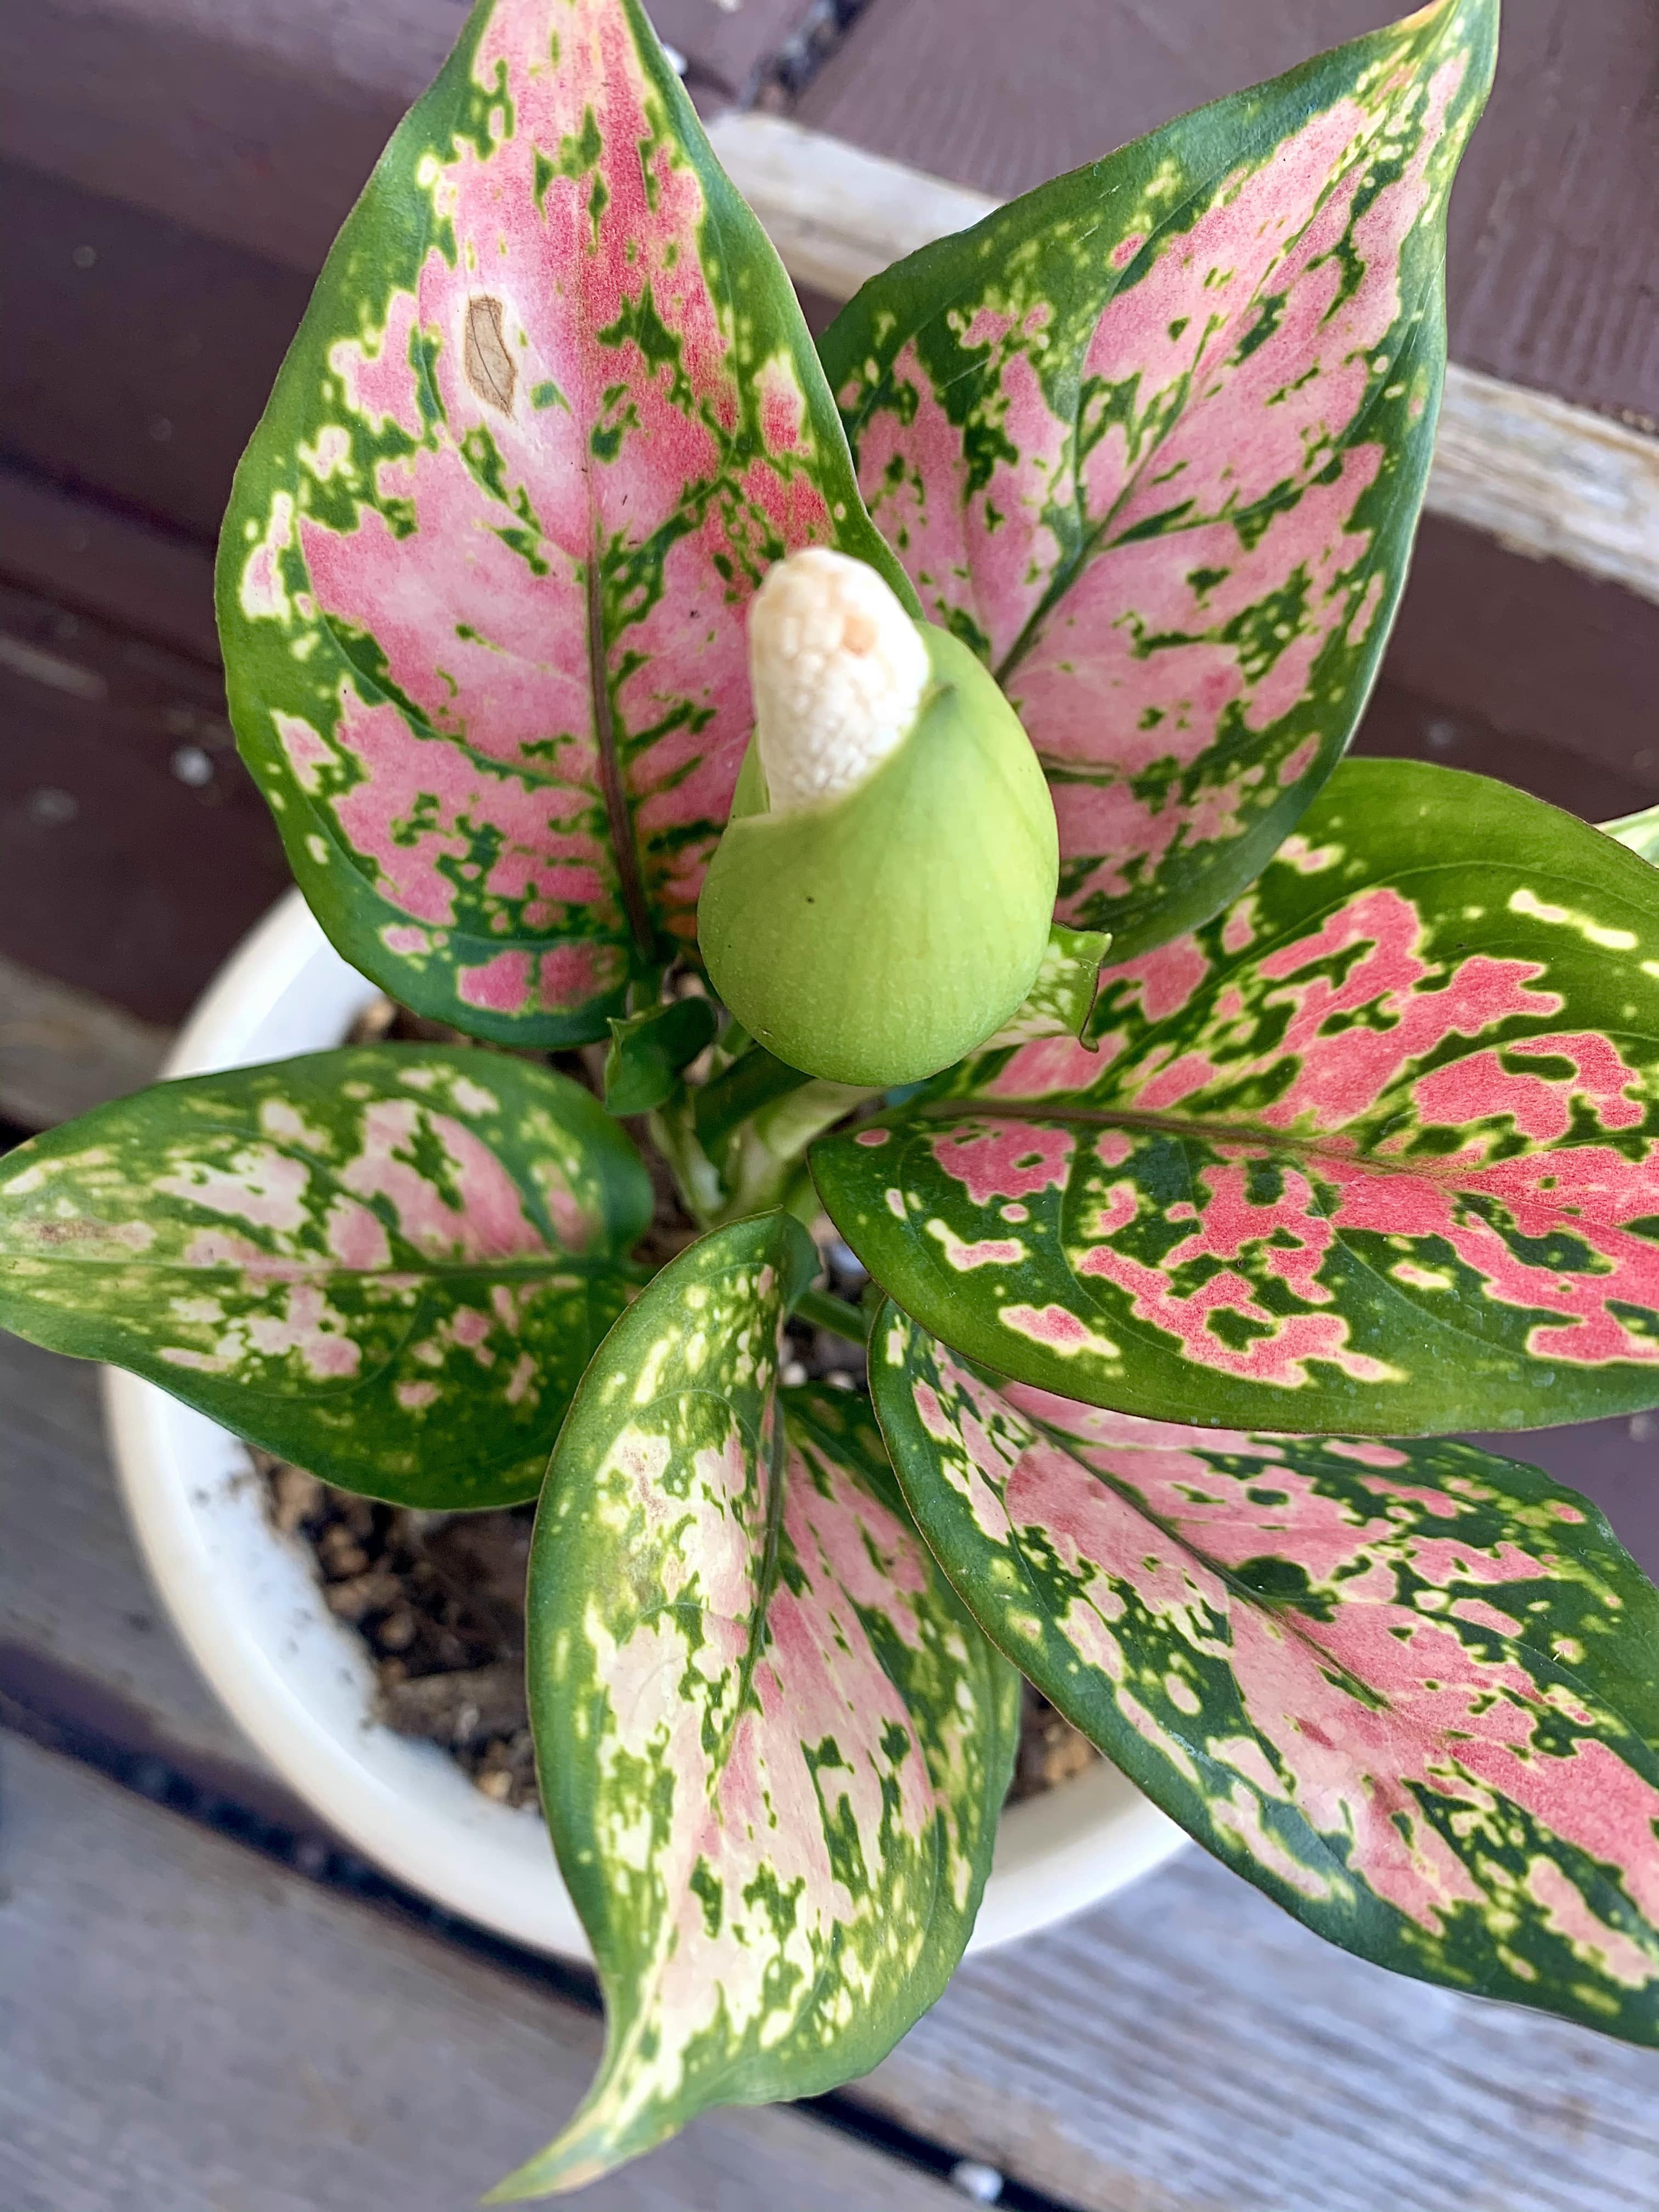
(1093, 541)
(1444, 1167)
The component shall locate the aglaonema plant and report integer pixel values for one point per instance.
(619, 667)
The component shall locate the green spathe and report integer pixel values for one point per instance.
(878, 937)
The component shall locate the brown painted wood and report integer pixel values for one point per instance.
(1522, 670)
(134, 848)
(1554, 265)
(729, 48)
(89, 558)
(138, 354)
(258, 125)
(188, 2028)
(1541, 651)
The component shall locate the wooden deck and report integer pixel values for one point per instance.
(207, 2005)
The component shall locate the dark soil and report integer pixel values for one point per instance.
(438, 1598)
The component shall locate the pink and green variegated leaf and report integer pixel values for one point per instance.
(1153, 438)
(1377, 1149)
(389, 1264)
(551, 413)
(773, 1744)
(1409, 1691)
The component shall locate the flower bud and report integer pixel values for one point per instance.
(880, 902)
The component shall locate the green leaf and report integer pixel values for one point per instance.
(1409, 1691)
(753, 1080)
(1061, 1001)
(389, 1264)
(551, 413)
(647, 1051)
(1377, 1150)
(773, 1744)
(1152, 440)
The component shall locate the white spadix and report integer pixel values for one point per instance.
(880, 902)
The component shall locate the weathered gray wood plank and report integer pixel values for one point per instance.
(82, 1637)
(1188, 2048)
(188, 2028)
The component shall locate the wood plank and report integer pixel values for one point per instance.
(258, 125)
(1554, 266)
(62, 1051)
(1525, 670)
(90, 558)
(1189, 2048)
(134, 848)
(189, 2028)
(1547, 479)
(84, 1642)
(138, 353)
(321, 88)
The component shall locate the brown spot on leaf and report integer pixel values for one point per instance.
(70, 1232)
(489, 367)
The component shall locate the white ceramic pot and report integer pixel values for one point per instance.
(247, 1602)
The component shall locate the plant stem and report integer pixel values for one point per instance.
(824, 1310)
(752, 1081)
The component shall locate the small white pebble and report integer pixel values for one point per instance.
(792, 1374)
(972, 2178)
(496, 1783)
(839, 1379)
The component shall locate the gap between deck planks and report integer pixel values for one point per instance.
(1185, 2048)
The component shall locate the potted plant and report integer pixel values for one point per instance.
(1061, 570)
